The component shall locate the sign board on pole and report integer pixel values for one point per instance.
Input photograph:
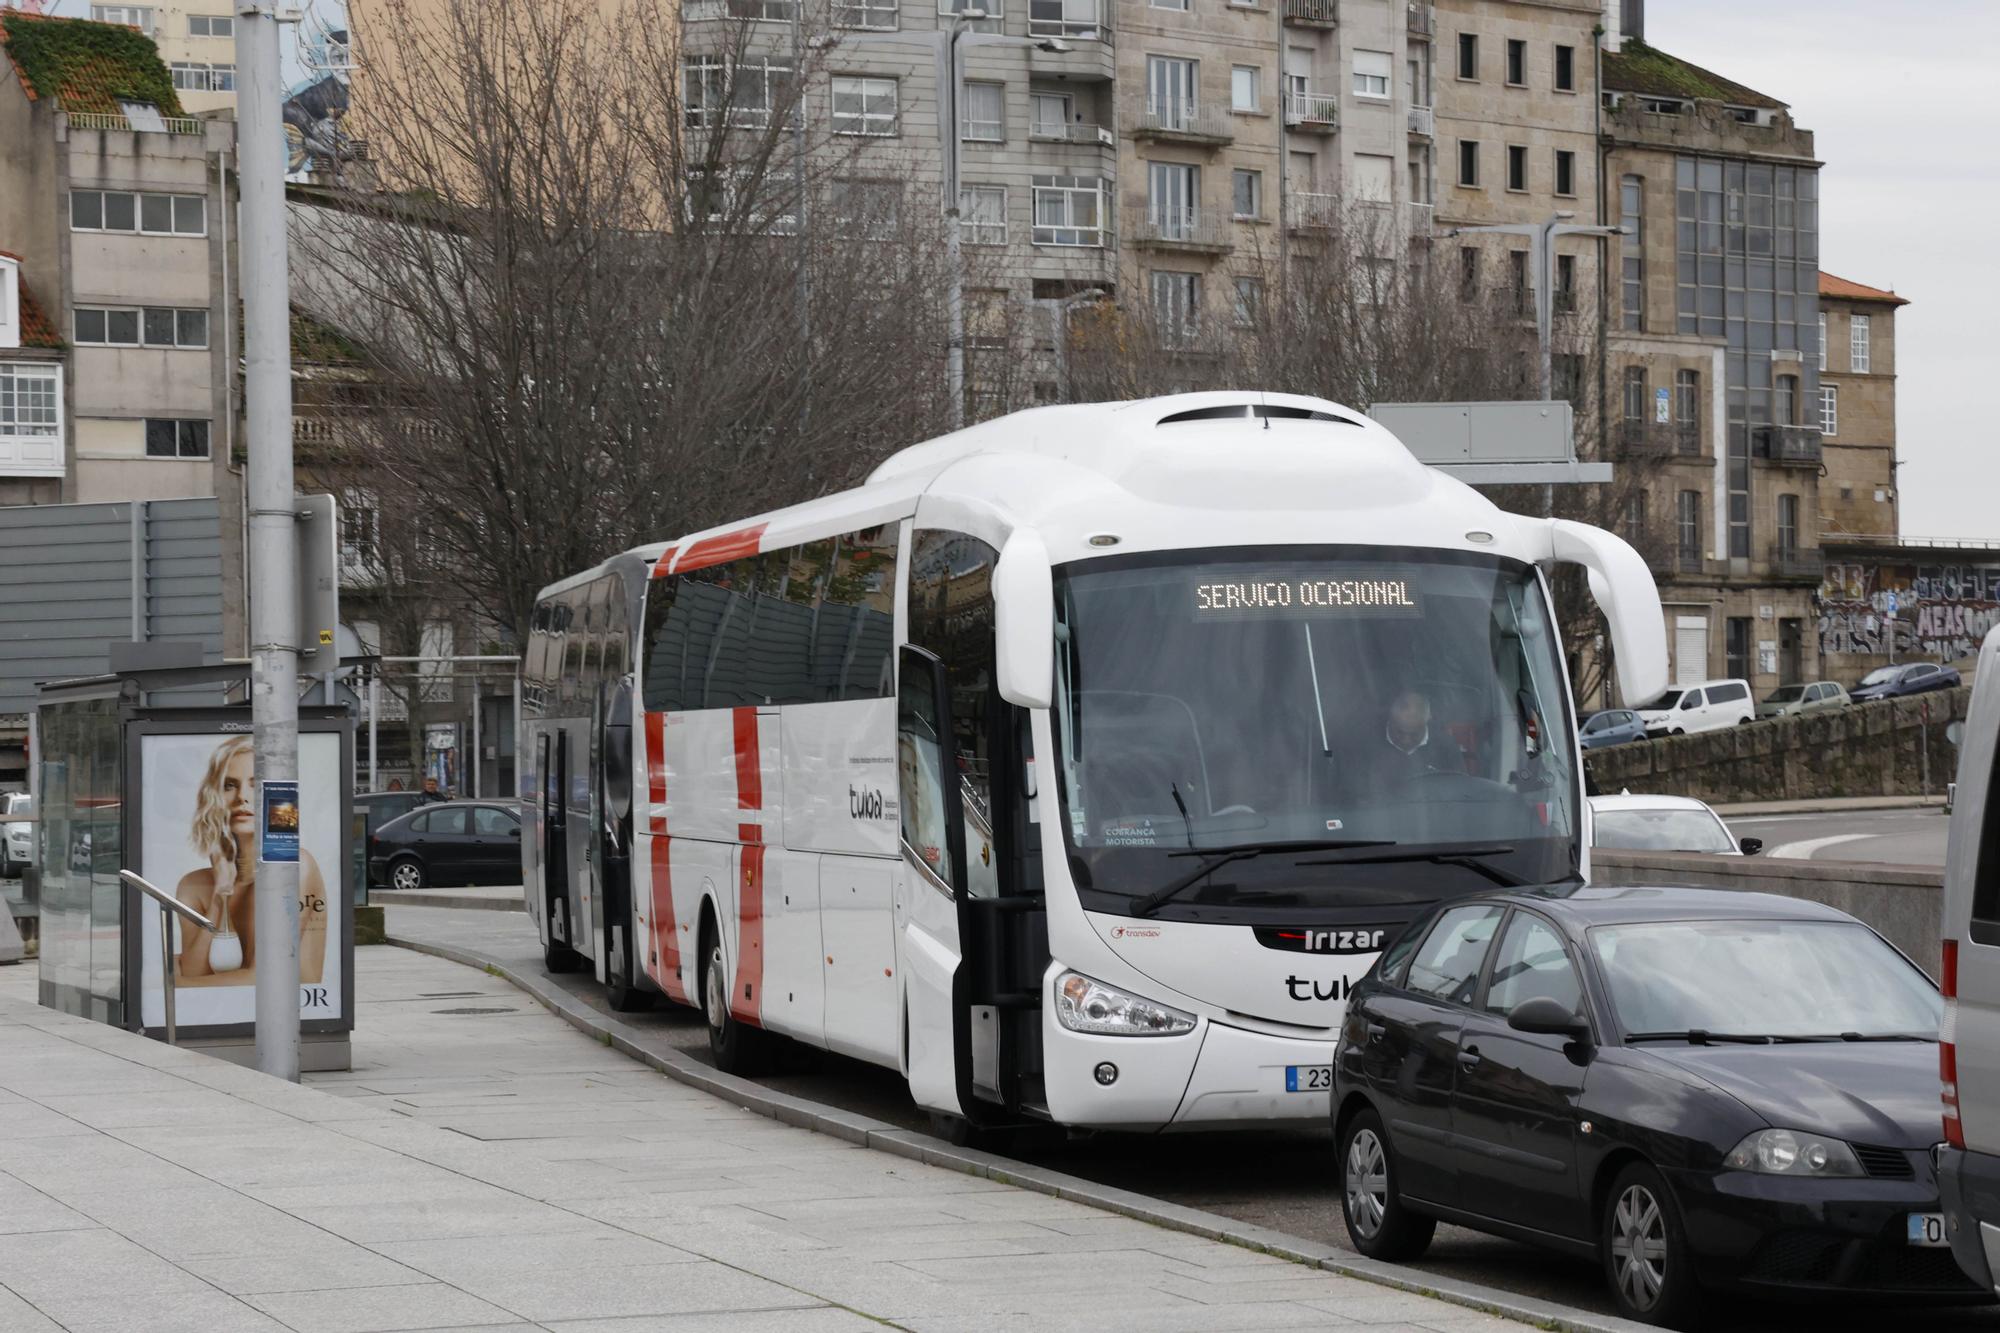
(319, 584)
(281, 823)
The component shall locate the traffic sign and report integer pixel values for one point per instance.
(1892, 604)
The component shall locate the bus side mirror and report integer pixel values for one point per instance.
(1024, 602)
(1624, 588)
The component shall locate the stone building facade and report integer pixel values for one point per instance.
(1857, 409)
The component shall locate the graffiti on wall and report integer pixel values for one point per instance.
(1941, 611)
(317, 70)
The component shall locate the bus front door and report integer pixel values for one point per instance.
(558, 926)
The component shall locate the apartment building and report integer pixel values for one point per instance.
(1714, 358)
(196, 39)
(1857, 409)
(113, 212)
(32, 362)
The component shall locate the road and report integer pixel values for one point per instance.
(1895, 837)
(1283, 1181)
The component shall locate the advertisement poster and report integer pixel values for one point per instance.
(203, 840)
(280, 841)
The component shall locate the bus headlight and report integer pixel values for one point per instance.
(1085, 1005)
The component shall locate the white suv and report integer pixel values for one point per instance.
(17, 834)
(1709, 706)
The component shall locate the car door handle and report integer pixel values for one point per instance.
(1469, 1056)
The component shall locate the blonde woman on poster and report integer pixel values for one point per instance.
(225, 835)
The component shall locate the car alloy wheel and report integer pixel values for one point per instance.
(406, 875)
(1367, 1183)
(1639, 1247)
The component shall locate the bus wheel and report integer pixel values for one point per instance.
(962, 1133)
(737, 1047)
(558, 958)
(623, 993)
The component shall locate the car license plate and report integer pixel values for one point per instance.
(1927, 1229)
(1308, 1078)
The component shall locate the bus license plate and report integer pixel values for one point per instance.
(1927, 1229)
(1314, 1078)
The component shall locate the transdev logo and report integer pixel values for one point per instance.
(1135, 932)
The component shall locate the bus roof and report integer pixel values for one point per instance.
(1186, 470)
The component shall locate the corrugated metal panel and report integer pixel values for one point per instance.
(71, 583)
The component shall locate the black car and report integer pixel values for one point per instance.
(1892, 682)
(1696, 1088)
(448, 842)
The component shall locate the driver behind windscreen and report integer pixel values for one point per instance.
(1406, 748)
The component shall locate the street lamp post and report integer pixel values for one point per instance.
(1541, 262)
(951, 78)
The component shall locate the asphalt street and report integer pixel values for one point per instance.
(1894, 837)
(1283, 1181)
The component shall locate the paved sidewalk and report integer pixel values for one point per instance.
(485, 1165)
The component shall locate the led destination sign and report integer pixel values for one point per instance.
(1284, 595)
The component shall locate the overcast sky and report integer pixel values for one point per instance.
(1900, 98)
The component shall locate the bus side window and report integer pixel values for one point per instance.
(617, 628)
(1986, 874)
(857, 618)
(951, 615)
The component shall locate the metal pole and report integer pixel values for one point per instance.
(167, 970)
(273, 553)
(955, 283)
(374, 706)
(1545, 301)
(477, 749)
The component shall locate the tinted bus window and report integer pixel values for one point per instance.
(951, 614)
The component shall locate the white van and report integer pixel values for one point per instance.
(1968, 1160)
(1709, 706)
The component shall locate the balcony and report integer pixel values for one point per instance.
(1647, 439)
(1419, 19)
(156, 124)
(1087, 55)
(1189, 229)
(1423, 219)
(1801, 564)
(1183, 121)
(1056, 131)
(1423, 122)
(1312, 113)
(1790, 446)
(1312, 13)
(1687, 438)
(1311, 212)
(1690, 562)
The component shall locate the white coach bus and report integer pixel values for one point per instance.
(1075, 765)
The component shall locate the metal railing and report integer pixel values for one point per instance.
(1312, 110)
(1423, 121)
(1419, 20)
(1184, 226)
(1786, 444)
(1691, 562)
(1185, 117)
(104, 120)
(1422, 219)
(170, 907)
(1646, 438)
(1687, 437)
(1057, 131)
(1312, 11)
(1798, 562)
(1315, 211)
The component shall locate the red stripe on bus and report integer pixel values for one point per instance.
(749, 762)
(664, 563)
(666, 934)
(656, 769)
(749, 834)
(721, 549)
(746, 997)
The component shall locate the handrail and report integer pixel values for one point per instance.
(170, 907)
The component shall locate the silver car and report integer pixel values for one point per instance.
(1809, 698)
(17, 834)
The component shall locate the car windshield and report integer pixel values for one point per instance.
(1316, 695)
(1667, 700)
(1659, 831)
(1880, 675)
(1774, 978)
(1785, 694)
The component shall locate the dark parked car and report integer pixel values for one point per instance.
(448, 842)
(1613, 726)
(1909, 678)
(1695, 1088)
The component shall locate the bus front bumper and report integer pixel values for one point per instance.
(1214, 1077)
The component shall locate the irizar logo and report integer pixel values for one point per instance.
(864, 803)
(1305, 988)
(1354, 939)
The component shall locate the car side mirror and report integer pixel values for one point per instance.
(1750, 846)
(514, 832)
(1548, 1017)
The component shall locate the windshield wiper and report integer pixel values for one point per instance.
(1703, 1037)
(1219, 857)
(1884, 1036)
(1468, 858)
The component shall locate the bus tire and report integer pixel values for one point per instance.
(558, 958)
(962, 1133)
(621, 991)
(736, 1047)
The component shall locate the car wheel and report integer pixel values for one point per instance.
(1646, 1258)
(1677, 732)
(406, 874)
(737, 1047)
(1380, 1224)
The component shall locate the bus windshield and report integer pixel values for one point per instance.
(1384, 702)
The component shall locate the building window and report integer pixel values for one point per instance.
(151, 214)
(30, 401)
(1635, 518)
(876, 15)
(1517, 167)
(1173, 191)
(1247, 193)
(745, 94)
(982, 214)
(1169, 4)
(868, 210)
(985, 115)
(176, 439)
(1788, 524)
(1249, 303)
(1688, 521)
(1069, 210)
(1566, 284)
(1829, 410)
(151, 327)
(1243, 88)
(864, 107)
(1468, 273)
(1687, 409)
(1468, 55)
(1565, 172)
(1371, 74)
(1171, 84)
(1785, 402)
(1517, 62)
(1632, 230)
(211, 25)
(1736, 640)
(192, 77)
(1635, 397)
(1857, 344)
(1565, 69)
(1062, 18)
(1177, 306)
(993, 9)
(1517, 266)
(1822, 340)
(1468, 162)
(753, 11)
(132, 16)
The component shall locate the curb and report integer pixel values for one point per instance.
(868, 1132)
(426, 898)
(1831, 806)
